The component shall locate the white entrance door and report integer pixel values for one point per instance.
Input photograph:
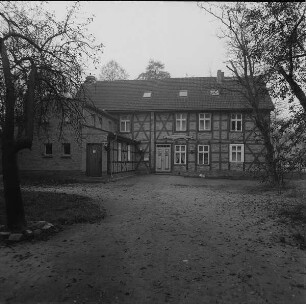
(163, 158)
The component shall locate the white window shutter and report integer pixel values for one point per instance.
(242, 153)
(230, 153)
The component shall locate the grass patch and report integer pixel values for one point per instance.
(296, 214)
(58, 208)
(36, 180)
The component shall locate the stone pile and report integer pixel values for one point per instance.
(35, 229)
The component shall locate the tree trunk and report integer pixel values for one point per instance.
(272, 171)
(15, 216)
(295, 87)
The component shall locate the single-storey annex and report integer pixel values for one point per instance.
(97, 151)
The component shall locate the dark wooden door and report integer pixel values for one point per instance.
(94, 160)
(163, 158)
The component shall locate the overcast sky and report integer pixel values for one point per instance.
(179, 34)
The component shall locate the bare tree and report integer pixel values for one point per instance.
(279, 30)
(154, 70)
(41, 64)
(289, 138)
(113, 71)
(249, 71)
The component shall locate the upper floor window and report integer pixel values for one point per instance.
(93, 119)
(183, 93)
(125, 124)
(100, 122)
(67, 118)
(45, 120)
(203, 154)
(204, 121)
(237, 153)
(236, 122)
(181, 122)
(180, 154)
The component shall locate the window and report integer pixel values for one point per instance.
(183, 93)
(125, 124)
(180, 154)
(181, 122)
(109, 125)
(236, 122)
(45, 120)
(48, 149)
(237, 153)
(67, 119)
(129, 152)
(66, 149)
(214, 92)
(101, 122)
(203, 154)
(93, 119)
(204, 121)
(119, 151)
(147, 94)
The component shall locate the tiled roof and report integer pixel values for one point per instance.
(127, 95)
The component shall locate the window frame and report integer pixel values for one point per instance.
(93, 119)
(180, 152)
(181, 122)
(100, 118)
(231, 151)
(204, 152)
(236, 120)
(126, 122)
(63, 150)
(183, 93)
(67, 119)
(45, 150)
(147, 94)
(119, 152)
(128, 153)
(204, 119)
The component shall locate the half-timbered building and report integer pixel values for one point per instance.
(188, 126)
(197, 125)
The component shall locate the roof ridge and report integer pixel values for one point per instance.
(157, 80)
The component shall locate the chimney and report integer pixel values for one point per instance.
(90, 79)
(220, 76)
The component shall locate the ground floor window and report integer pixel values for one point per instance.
(180, 154)
(119, 151)
(203, 154)
(48, 149)
(66, 149)
(129, 153)
(237, 153)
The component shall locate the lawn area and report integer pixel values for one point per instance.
(57, 208)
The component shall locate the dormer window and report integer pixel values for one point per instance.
(147, 94)
(183, 93)
(215, 92)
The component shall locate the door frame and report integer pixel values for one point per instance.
(88, 159)
(170, 155)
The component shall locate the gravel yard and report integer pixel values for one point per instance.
(165, 239)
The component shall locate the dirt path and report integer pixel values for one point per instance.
(165, 240)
